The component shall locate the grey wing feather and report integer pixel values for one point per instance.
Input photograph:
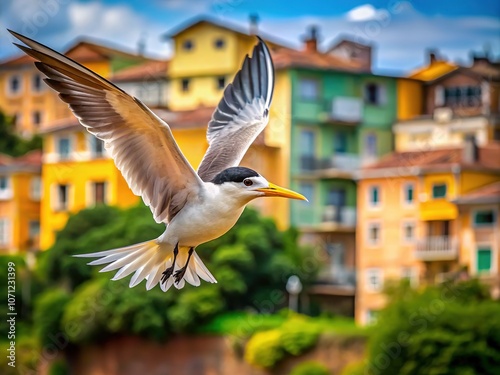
(141, 144)
(241, 115)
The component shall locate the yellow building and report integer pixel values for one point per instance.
(20, 194)
(409, 223)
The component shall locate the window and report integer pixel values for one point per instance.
(371, 316)
(464, 96)
(187, 45)
(374, 281)
(5, 190)
(374, 196)
(307, 145)
(221, 82)
(34, 229)
(370, 145)
(62, 198)
(483, 260)
(340, 142)
(96, 147)
(37, 83)
(409, 232)
(309, 89)
(484, 218)
(185, 84)
(99, 192)
(14, 85)
(37, 118)
(375, 94)
(4, 232)
(36, 188)
(373, 234)
(219, 43)
(439, 191)
(307, 190)
(64, 147)
(408, 193)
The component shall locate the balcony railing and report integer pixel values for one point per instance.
(436, 248)
(337, 275)
(344, 217)
(344, 162)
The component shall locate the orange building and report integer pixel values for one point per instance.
(20, 194)
(410, 225)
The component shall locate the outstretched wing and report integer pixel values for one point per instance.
(140, 143)
(241, 115)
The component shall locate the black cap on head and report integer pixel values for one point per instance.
(234, 174)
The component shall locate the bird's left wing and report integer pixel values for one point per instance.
(241, 115)
(141, 144)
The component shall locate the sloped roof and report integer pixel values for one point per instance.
(195, 21)
(290, 58)
(31, 160)
(151, 69)
(433, 71)
(488, 158)
(486, 194)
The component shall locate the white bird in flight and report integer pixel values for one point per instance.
(195, 207)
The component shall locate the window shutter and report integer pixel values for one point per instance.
(439, 96)
(382, 94)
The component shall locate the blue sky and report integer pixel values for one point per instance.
(401, 30)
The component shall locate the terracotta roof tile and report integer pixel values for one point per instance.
(489, 157)
(286, 58)
(149, 70)
(32, 158)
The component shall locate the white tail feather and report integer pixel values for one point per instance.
(148, 260)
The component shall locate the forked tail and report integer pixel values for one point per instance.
(148, 260)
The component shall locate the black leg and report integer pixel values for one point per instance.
(179, 274)
(170, 270)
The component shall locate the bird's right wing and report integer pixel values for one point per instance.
(140, 143)
(241, 115)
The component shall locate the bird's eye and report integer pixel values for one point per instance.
(248, 182)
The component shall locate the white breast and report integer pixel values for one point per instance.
(203, 220)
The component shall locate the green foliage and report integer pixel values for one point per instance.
(295, 336)
(298, 336)
(310, 368)
(26, 358)
(355, 368)
(11, 143)
(48, 311)
(264, 349)
(454, 327)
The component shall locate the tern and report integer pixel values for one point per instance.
(196, 207)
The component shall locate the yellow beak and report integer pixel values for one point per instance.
(277, 191)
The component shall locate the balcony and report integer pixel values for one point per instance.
(338, 165)
(436, 248)
(335, 280)
(324, 219)
(342, 110)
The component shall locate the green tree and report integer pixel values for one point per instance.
(447, 329)
(11, 143)
(251, 262)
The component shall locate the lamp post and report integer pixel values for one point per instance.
(293, 287)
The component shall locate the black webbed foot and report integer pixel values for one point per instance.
(167, 273)
(179, 274)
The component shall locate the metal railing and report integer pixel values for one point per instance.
(337, 275)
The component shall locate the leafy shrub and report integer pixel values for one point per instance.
(59, 367)
(298, 336)
(310, 368)
(264, 349)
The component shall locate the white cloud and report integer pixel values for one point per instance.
(363, 13)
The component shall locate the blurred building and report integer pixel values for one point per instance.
(20, 195)
(448, 103)
(426, 215)
(341, 119)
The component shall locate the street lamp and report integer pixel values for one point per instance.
(293, 287)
